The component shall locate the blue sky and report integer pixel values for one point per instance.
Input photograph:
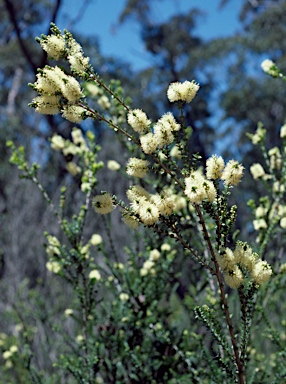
(101, 17)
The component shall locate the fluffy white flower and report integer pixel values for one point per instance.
(137, 167)
(257, 171)
(104, 102)
(269, 67)
(261, 272)
(135, 192)
(53, 266)
(185, 91)
(227, 260)
(164, 128)
(283, 222)
(71, 89)
(103, 204)
(233, 277)
(214, 167)
(94, 274)
(148, 212)
(259, 224)
(155, 254)
(78, 62)
(244, 256)
(138, 120)
(260, 212)
(46, 104)
(130, 220)
(68, 312)
(283, 131)
(164, 202)
(55, 46)
(232, 173)
(124, 296)
(95, 239)
(113, 165)
(149, 143)
(73, 113)
(72, 168)
(198, 188)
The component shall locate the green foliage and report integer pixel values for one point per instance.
(180, 302)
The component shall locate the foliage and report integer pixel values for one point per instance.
(188, 300)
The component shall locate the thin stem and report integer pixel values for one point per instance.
(131, 138)
(240, 367)
(101, 84)
(225, 306)
(190, 249)
(48, 199)
(86, 205)
(109, 122)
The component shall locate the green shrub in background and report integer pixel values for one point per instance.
(186, 300)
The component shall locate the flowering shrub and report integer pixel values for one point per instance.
(186, 299)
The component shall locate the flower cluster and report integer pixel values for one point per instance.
(257, 171)
(9, 354)
(58, 46)
(232, 173)
(148, 207)
(200, 187)
(95, 239)
(185, 91)
(163, 134)
(163, 130)
(275, 158)
(83, 148)
(259, 135)
(53, 247)
(59, 92)
(54, 45)
(148, 265)
(236, 264)
(94, 274)
(269, 67)
(139, 121)
(130, 219)
(266, 213)
(137, 167)
(53, 251)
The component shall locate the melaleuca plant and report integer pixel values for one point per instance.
(185, 301)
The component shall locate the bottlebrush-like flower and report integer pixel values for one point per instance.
(137, 167)
(185, 91)
(138, 120)
(232, 173)
(214, 167)
(103, 204)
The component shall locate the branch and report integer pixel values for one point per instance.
(13, 18)
(55, 12)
